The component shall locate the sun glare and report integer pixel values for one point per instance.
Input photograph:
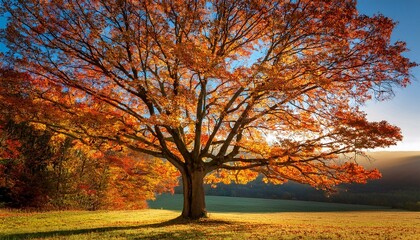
(270, 138)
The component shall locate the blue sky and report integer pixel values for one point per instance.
(404, 109)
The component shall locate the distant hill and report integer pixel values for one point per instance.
(400, 170)
(399, 186)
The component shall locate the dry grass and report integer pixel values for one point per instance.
(163, 224)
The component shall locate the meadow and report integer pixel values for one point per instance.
(359, 223)
(258, 205)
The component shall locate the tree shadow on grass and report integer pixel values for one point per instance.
(178, 234)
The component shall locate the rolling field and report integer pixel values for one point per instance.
(258, 205)
(163, 224)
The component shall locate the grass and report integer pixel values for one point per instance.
(164, 224)
(258, 205)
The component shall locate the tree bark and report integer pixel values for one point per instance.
(194, 197)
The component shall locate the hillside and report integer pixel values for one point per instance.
(258, 205)
(399, 186)
(400, 170)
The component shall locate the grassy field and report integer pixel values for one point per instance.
(163, 224)
(258, 205)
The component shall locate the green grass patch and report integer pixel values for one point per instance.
(258, 205)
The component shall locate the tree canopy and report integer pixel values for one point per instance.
(224, 90)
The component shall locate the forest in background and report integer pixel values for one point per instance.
(43, 170)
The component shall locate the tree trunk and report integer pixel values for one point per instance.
(194, 198)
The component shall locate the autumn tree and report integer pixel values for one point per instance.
(223, 90)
